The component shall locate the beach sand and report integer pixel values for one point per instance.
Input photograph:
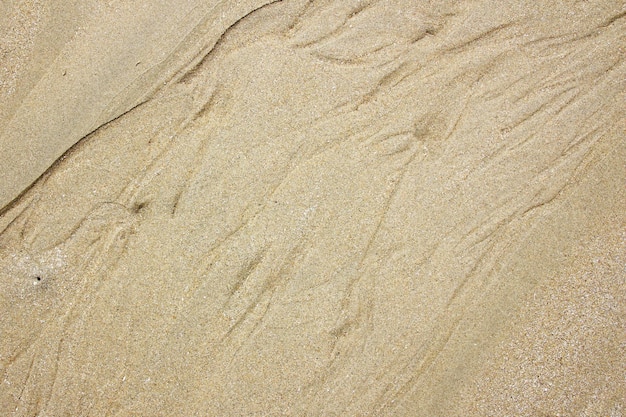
(312, 208)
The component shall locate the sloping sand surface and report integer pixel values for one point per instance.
(313, 208)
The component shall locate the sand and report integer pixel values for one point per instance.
(312, 208)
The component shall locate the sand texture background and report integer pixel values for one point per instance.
(313, 208)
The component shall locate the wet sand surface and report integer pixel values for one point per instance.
(312, 208)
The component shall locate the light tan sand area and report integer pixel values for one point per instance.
(313, 208)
